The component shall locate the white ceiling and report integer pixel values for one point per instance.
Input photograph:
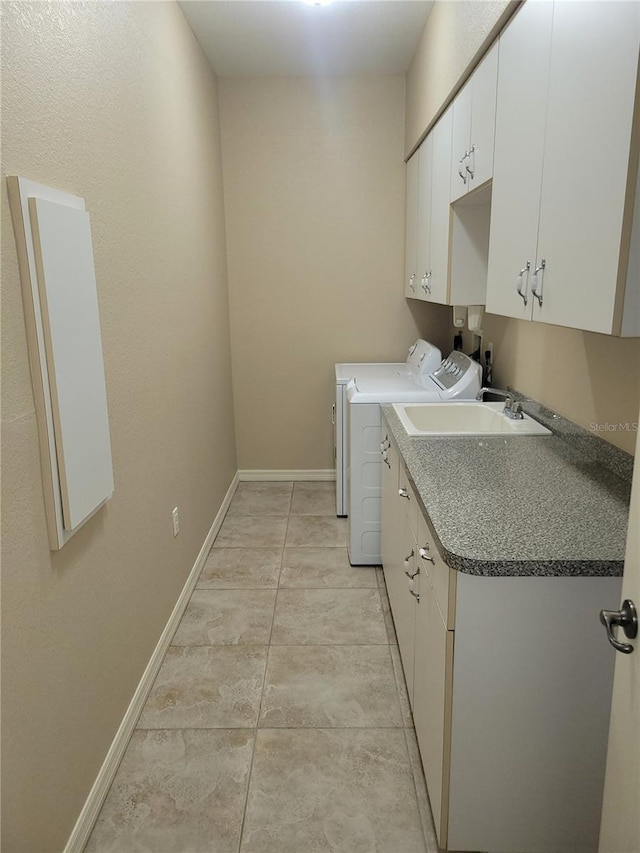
(249, 38)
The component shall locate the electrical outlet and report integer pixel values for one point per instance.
(176, 521)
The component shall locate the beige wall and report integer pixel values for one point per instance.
(570, 371)
(314, 194)
(455, 36)
(113, 102)
(589, 378)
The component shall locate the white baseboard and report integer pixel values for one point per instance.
(88, 816)
(280, 475)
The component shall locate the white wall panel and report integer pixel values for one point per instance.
(71, 325)
(53, 238)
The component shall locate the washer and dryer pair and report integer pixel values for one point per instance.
(360, 389)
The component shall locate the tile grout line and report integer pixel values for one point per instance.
(277, 645)
(260, 588)
(396, 674)
(327, 728)
(254, 729)
(397, 686)
(264, 682)
(415, 788)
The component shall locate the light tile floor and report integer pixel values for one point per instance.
(279, 720)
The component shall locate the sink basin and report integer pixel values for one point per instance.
(464, 419)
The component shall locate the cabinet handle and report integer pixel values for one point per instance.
(519, 282)
(462, 172)
(410, 575)
(426, 282)
(538, 275)
(416, 595)
(471, 156)
(412, 282)
(404, 494)
(424, 553)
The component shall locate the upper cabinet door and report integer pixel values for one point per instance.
(431, 234)
(440, 210)
(424, 217)
(460, 142)
(592, 89)
(479, 163)
(411, 225)
(474, 113)
(524, 53)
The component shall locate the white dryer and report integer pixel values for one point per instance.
(422, 359)
(458, 377)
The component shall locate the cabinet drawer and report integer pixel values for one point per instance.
(442, 578)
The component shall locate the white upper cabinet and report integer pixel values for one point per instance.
(592, 89)
(474, 112)
(561, 199)
(525, 48)
(411, 228)
(461, 142)
(423, 243)
(437, 283)
(430, 246)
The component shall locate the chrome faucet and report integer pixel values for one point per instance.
(512, 407)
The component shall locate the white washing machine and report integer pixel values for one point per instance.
(457, 378)
(423, 358)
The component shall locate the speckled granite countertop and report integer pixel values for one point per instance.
(522, 505)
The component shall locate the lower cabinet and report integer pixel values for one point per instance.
(432, 698)
(509, 679)
(399, 506)
(432, 674)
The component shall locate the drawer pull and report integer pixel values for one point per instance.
(424, 553)
(416, 595)
(404, 494)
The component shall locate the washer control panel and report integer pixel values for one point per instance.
(452, 368)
